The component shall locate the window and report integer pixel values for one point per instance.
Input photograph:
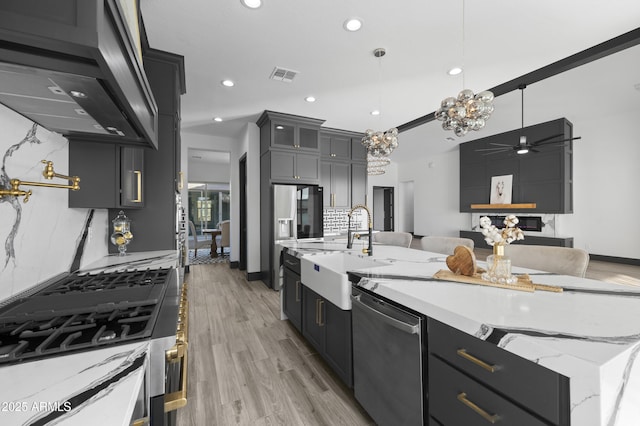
(209, 204)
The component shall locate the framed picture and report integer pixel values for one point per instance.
(501, 187)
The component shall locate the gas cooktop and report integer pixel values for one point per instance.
(81, 312)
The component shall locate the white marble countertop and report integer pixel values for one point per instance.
(100, 385)
(590, 332)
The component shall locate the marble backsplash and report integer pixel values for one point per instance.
(43, 237)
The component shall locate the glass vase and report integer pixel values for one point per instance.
(499, 267)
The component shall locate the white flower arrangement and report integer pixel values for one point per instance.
(506, 235)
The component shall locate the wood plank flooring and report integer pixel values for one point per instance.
(247, 367)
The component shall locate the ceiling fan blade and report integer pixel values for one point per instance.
(506, 148)
(500, 144)
(546, 139)
(497, 152)
(562, 141)
(533, 150)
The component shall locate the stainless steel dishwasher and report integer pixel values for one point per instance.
(387, 361)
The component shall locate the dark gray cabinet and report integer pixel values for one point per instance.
(335, 178)
(328, 329)
(470, 378)
(111, 176)
(543, 177)
(358, 151)
(358, 183)
(286, 131)
(154, 226)
(293, 167)
(533, 240)
(89, 46)
(292, 291)
(335, 147)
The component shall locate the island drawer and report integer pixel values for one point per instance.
(291, 262)
(456, 399)
(541, 390)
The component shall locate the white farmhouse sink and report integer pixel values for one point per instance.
(326, 274)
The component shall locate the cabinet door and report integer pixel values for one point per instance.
(325, 183)
(283, 166)
(358, 151)
(341, 148)
(341, 184)
(358, 184)
(308, 138)
(131, 176)
(292, 298)
(96, 164)
(338, 341)
(308, 167)
(313, 318)
(283, 134)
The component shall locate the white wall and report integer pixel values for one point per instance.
(406, 207)
(39, 239)
(205, 172)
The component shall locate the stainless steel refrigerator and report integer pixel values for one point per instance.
(297, 214)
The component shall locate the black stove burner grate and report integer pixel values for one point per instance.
(82, 312)
(76, 283)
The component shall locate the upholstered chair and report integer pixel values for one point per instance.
(401, 239)
(196, 241)
(559, 260)
(224, 238)
(444, 245)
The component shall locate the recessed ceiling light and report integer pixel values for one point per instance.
(352, 24)
(375, 112)
(454, 71)
(279, 127)
(310, 99)
(78, 94)
(251, 4)
(228, 83)
(218, 119)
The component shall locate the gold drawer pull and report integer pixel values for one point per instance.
(139, 186)
(491, 418)
(464, 354)
(178, 399)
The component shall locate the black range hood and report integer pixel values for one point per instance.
(75, 68)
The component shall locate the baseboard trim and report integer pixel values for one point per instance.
(615, 259)
(234, 264)
(254, 276)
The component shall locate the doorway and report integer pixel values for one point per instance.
(242, 264)
(383, 203)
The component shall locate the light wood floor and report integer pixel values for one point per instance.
(247, 367)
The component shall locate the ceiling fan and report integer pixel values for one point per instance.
(524, 146)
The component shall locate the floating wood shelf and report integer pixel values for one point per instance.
(504, 206)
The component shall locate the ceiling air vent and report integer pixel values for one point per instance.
(283, 74)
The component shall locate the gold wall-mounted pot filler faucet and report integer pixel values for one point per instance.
(48, 173)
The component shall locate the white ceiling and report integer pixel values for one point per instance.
(500, 40)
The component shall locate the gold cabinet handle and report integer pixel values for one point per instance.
(140, 422)
(297, 291)
(178, 353)
(491, 418)
(178, 399)
(464, 354)
(320, 319)
(138, 174)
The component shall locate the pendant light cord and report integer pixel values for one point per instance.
(463, 40)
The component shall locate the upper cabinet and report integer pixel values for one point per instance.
(83, 60)
(541, 181)
(335, 147)
(290, 132)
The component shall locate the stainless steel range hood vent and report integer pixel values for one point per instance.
(62, 102)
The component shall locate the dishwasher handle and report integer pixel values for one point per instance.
(400, 325)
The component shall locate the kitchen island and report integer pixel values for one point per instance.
(589, 333)
(106, 386)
